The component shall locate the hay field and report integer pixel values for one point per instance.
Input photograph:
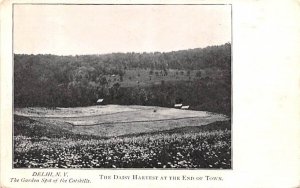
(115, 136)
(117, 120)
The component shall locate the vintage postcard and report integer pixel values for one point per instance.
(154, 93)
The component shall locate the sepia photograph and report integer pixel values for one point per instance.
(119, 86)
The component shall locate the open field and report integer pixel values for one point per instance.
(189, 150)
(115, 136)
(38, 145)
(117, 120)
(143, 77)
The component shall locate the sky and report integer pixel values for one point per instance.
(100, 29)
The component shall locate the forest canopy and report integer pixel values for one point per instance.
(65, 81)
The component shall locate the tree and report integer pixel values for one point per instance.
(165, 71)
(188, 73)
(198, 74)
(76, 80)
(151, 72)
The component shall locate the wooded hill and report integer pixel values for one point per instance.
(198, 77)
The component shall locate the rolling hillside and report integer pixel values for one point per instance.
(199, 77)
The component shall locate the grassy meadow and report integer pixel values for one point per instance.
(116, 136)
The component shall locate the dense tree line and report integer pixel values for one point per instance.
(50, 80)
(212, 56)
(204, 94)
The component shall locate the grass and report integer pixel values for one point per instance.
(113, 120)
(187, 150)
(186, 143)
